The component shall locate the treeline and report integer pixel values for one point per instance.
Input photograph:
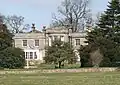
(10, 57)
(104, 41)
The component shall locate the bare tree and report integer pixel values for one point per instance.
(16, 23)
(2, 18)
(96, 57)
(72, 13)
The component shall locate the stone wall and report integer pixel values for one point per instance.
(80, 70)
(58, 70)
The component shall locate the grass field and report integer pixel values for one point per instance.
(111, 78)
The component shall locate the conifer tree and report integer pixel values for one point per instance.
(111, 17)
(110, 21)
(106, 37)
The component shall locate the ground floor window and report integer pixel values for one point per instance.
(35, 55)
(31, 55)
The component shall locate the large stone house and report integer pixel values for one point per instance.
(34, 42)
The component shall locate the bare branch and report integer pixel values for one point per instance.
(73, 11)
(15, 22)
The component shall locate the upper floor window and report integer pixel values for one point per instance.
(55, 38)
(77, 41)
(50, 37)
(62, 38)
(36, 42)
(24, 42)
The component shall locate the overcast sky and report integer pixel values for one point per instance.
(40, 11)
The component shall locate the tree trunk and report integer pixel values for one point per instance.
(76, 26)
(59, 64)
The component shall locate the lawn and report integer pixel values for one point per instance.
(110, 78)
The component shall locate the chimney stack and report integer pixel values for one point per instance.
(44, 28)
(33, 27)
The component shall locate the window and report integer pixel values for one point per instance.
(77, 41)
(35, 55)
(26, 55)
(62, 38)
(31, 55)
(50, 40)
(50, 37)
(55, 38)
(24, 42)
(36, 42)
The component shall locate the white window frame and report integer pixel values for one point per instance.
(33, 54)
(23, 43)
(76, 43)
(50, 40)
(55, 37)
(62, 38)
(38, 42)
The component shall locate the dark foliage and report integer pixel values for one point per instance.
(12, 58)
(59, 52)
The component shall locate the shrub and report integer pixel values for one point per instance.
(12, 58)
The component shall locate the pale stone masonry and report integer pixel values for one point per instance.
(34, 42)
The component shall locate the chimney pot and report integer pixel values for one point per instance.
(33, 27)
(44, 27)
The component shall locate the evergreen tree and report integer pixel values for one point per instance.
(111, 17)
(108, 48)
(106, 37)
(5, 37)
(110, 22)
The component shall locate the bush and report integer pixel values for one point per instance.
(12, 58)
(84, 52)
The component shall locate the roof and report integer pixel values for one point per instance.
(78, 34)
(28, 36)
(57, 30)
(35, 31)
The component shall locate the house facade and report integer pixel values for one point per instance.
(34, 42)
